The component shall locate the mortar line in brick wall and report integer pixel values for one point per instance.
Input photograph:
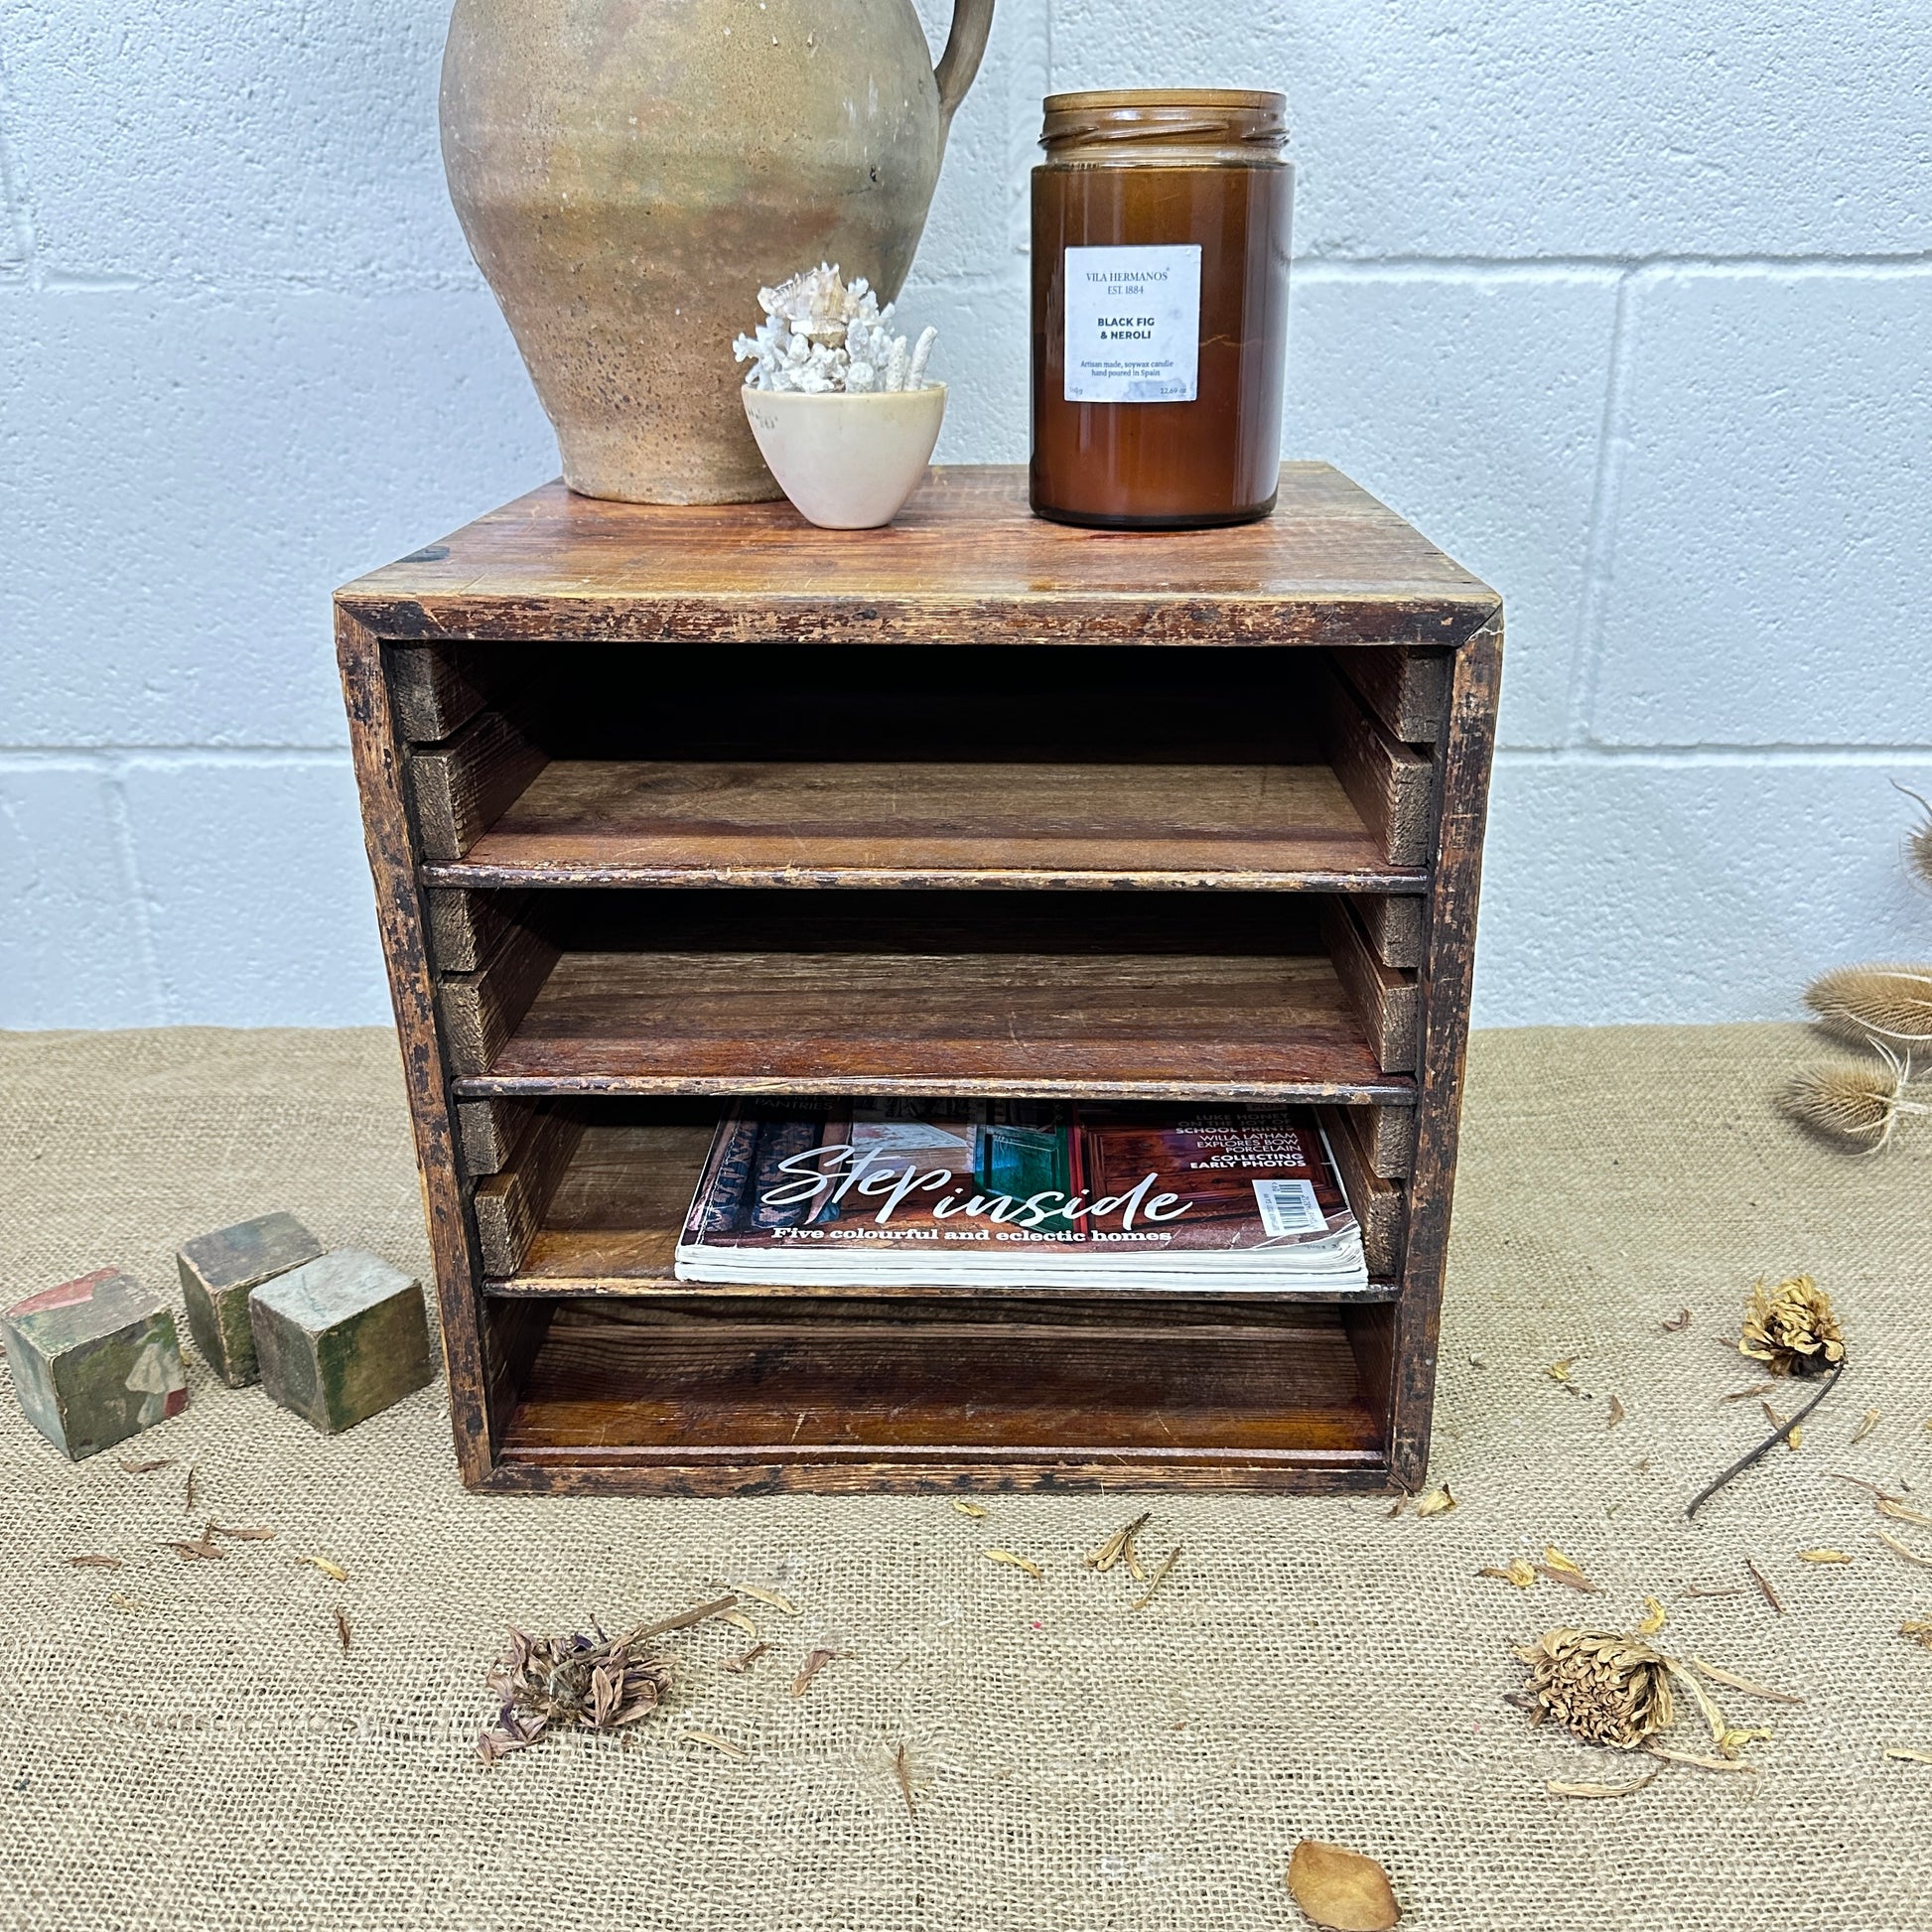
(1599, 552)
(161, 1001)
(1872, 757)
(1316, 268)
(103, 756)
(1558, 267)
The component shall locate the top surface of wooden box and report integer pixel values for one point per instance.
(966, 563)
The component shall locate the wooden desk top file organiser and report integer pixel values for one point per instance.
(669, 806)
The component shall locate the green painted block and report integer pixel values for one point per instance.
(95, 1361)
(341, 1338)
(217, 1271)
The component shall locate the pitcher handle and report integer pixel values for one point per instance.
(972, 21)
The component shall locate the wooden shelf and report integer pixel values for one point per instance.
(1133, 1025)
(611, 1225)
(1187, 816)
(740, 1400)
(609, 822)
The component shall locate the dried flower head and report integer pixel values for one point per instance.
(1792, 1328)
(1855, 1105)
(1606, 1686)
(1918, 841)
(552, 1683)
(1892, 1003)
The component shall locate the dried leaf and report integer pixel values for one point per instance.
(1867, 1424)
(1616, 1411)
(331, 1569)
(1908, 1755)
(203, 1550)
(1561, 1570)
(903, 1770)
(1715, 1717)
(1904, 1549)
(809, 1669)
(1822, 1556)
(189, 1488)
(1715, 1589)
(1745, 1684)
(1919, 1630)
(975, 1510)
(717, 1743)
(1675, 1324)
(1519, 1571)
(239, 1536)
(770, 1599)
(1560, 1371)
(1158, 1578)
(1763, 1584)
(1016, 1563)
(1745, 1395)
(1892, 1507)
(1558, 1788)
(132, 1605)
(745, 1659)
(146, 1468)
(342, 1627)
(738, 1621)
(1654, 1618)
(1796, 1438)
(1395, 1509)
(96, 1563)
(1341, 1889)
(1116, 1545)
(1438, 1502)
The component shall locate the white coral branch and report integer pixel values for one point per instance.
(821, 335)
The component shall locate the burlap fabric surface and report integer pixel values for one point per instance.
(212, 1759)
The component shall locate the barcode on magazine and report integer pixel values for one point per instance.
(1289, 1207)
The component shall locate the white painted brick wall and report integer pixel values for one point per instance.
(1627, 306)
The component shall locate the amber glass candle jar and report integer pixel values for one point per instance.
(1159, 311)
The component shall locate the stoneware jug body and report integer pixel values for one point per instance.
(630, 172)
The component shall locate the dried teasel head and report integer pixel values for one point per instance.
(1918, 841)
(1855, 1105)
(1606, 1686)
(1792, 1329)
(1889, 1003)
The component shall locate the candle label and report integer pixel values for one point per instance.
(1132, 324)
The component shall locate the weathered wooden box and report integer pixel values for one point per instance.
(667, 806)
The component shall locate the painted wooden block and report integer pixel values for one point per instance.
(95, 1361)
(341, 1338)
(219, 1270)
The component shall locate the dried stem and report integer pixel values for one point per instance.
(645, 1632)
(1764, 1448)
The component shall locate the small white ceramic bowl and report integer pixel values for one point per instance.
(847, 461)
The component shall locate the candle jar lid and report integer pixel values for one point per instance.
(1112, 127)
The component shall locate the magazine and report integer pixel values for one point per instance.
(1022, 1195)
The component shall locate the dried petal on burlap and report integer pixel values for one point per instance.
(1792, 1329)
(1604, 1686)
(1341, 1889)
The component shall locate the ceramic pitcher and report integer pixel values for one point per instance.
(630, 172)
